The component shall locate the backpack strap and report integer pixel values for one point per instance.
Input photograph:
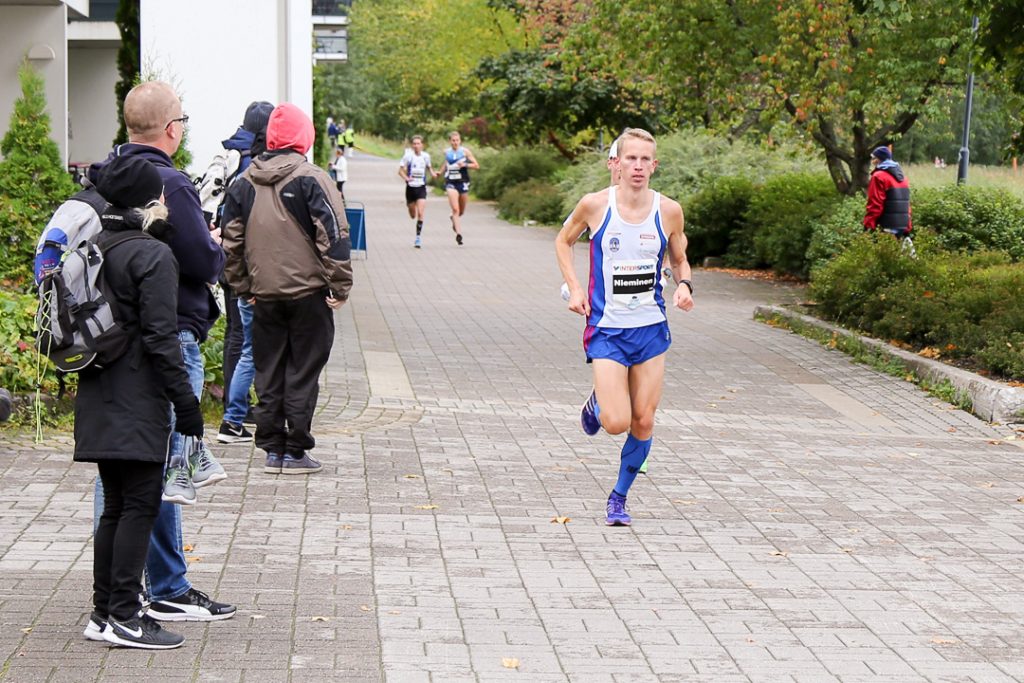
(93, 198)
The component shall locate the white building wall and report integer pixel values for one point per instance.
(22, 28)
(265, 55)
(92, 115)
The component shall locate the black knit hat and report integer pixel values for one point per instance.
(257, 116)
(129, 182)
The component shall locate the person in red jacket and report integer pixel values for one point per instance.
(888, 196)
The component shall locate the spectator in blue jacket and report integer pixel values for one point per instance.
(156, 124)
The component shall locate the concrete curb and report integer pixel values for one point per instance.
(993, 401)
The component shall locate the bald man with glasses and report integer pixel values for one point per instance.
(156, 126)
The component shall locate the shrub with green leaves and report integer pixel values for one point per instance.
(33, 178)
(971, 218)
(966, 307)
(500, 171)
(782, 215)
(535, 200)
(715, 215)
(19, 361)
(833, 233)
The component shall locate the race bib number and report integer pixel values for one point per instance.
(633, 283)
(454, 173)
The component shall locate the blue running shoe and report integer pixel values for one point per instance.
(617, 515)
(418, 243)
(589, 416)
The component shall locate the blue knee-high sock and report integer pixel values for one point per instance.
(634, 452)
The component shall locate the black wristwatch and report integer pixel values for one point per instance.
(689, 285)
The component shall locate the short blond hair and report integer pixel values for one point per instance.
(148, 108)
(634, 134)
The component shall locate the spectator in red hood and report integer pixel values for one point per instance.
(888, 196)
(287, 247)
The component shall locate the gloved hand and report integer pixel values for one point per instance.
(188, 419)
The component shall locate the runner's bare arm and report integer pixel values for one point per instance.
(403, 173)
(471, 160)
(574, 226)
(674, 222)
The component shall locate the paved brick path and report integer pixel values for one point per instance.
(805, 519)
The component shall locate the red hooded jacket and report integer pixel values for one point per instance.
(888, 200)
(289, 128)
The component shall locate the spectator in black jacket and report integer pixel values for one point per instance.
(156, 125)
(122, 412)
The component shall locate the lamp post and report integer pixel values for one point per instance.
(965, 152)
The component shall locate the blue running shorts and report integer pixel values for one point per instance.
(627, 346)
(457, 185)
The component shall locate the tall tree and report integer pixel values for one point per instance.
(1000, 41)
(129, 62)
(849, 74)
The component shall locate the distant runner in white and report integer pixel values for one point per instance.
(413, 170)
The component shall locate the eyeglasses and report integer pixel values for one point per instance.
(183, 120)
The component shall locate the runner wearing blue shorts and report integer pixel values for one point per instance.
(457, 162)
(627, 333)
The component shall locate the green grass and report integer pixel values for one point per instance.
(926, 175)
(378, 146)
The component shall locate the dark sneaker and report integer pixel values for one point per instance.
(274, 462)
(143, 632)
(192, 605)
(458, 238)
(232, 433)
(617, 515)
(94, 629)
(589, 416)
(205, 469)
(300, 464)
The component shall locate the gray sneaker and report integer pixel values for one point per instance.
(178, 487)
(204, 467)
(299, 463)
(274, 463)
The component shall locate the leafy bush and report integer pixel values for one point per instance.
(966, 307)
(536, 200)
(512, 166)
(33, 179)
(782, 215)
(18, 357)
(833, 233)
(972, 218)
(715, 215)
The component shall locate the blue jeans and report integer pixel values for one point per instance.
(165, 563)
(245, 371)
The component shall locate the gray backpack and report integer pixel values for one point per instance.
(76, 321)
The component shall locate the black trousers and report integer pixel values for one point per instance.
(233, 336)
(131, 494)
(291, 342)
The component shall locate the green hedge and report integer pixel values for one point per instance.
(536, 200)
(960, 306)
(502, 170)
(715, 216)
(971, 218)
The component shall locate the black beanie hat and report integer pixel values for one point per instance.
(257, 116)
(129, 182)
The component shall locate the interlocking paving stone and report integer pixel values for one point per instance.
(805, 519)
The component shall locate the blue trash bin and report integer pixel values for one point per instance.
(355, 212)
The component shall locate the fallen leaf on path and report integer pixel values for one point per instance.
(365, 608)
(780, 553)
(193, 558)
(712, 405)
(411, 476)
(320, 619)
(945, 641)
(394, 611)
(847, 550)
(951, 430)
(426, 507)
(986, 484)
(510, 662)
(188, 547)
(776, 509)
(685, 502)
(346, 527)
(560, 520)
(27, 630)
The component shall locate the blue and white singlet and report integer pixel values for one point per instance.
(453, 173)
(625, 264)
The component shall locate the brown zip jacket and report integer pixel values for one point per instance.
(285, 231)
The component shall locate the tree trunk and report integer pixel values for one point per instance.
(560, 146)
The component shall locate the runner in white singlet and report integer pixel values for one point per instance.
(626, 335)
(413, 169)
